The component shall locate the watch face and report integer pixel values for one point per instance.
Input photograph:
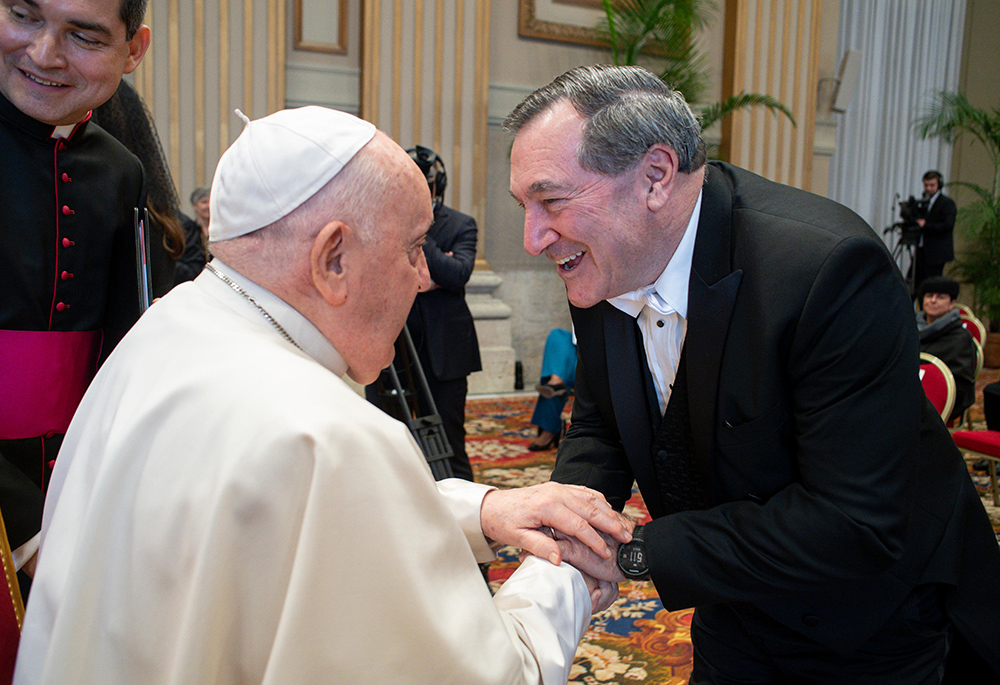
(632, 559)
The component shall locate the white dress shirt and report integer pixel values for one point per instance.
(661, 309)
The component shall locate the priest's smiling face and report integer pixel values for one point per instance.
(62, 58)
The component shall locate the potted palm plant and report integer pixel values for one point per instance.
(661, 32)
(951, 116)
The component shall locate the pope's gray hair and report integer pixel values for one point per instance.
(626, 110)
(354, 196)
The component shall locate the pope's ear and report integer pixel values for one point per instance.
(327, 262)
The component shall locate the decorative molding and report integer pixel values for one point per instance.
(328, 86)
(301, 42)
(531, 23)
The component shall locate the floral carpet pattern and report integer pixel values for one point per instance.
(636, 640)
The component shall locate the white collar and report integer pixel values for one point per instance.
(669, 292)
(301, 329)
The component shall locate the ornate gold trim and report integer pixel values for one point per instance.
(11, 573)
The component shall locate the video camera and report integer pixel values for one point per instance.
(909, 211)
(912, 209)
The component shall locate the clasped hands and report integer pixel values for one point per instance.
(561, 522)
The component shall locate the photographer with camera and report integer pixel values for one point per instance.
(936, 247)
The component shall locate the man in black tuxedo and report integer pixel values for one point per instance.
(440, 323)
(937, 245)
(747, 357)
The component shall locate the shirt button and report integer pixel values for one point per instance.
(61, 306)
(67, 242)
(61, 145)
(66, 275)
(67, 211)
(810, 620)
(659, 323)
(50, 434)
(66, 178)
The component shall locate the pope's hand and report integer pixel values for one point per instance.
(522, 517)
(602, 593)
(582, 556)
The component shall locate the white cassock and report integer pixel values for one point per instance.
(226, 509)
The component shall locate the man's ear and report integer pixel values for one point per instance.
(326, 261)
(660, 172)
(137, 47)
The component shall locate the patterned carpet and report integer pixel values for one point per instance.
(636, 640)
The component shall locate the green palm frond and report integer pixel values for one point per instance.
(663, 31)
(719, 110)
(951, 116)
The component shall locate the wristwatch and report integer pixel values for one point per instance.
(632, 560)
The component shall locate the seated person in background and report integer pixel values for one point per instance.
(195, 235)
(941, 334)
(242, 515)
(558, 376)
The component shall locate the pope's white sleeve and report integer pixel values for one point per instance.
(548, 607)
(465, 501)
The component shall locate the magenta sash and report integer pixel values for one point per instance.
(43, 375)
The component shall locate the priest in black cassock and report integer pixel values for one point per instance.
(68, 192)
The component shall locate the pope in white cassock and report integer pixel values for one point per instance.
(226, 509)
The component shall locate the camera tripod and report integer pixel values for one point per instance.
(401, 391)
(904, 251)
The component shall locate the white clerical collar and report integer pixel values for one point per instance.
(302, 331)
(669, 292)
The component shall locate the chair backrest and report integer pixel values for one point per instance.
(939, 384)
(964, 310)
(979, 358)
(11, 611)
(972, 324)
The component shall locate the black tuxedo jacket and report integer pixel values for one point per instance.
(440, 321)
(835, 487)
(938, 232)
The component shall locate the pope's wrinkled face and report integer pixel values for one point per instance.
(594, 227)
(393, 268)
(63, 58)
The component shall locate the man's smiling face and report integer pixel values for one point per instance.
(595, 227)
(62, 58)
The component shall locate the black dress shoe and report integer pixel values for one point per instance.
(552, 443)
(550, 390)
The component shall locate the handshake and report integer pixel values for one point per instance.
(567, 523)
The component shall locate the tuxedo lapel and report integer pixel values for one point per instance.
(626, 384)
(711, 297)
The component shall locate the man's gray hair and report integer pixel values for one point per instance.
(626, 110)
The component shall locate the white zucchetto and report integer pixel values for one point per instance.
(277, 163)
